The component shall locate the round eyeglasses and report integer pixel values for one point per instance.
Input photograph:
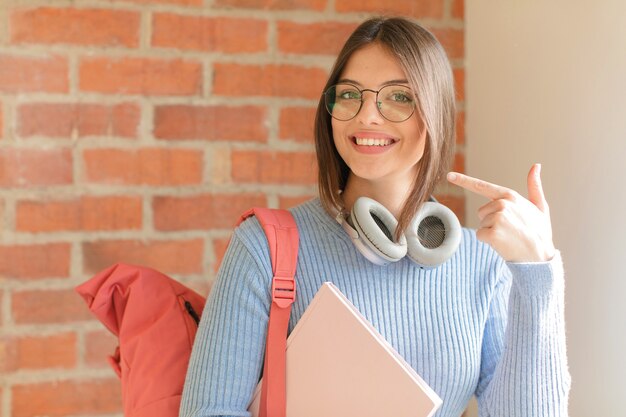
(394, 102)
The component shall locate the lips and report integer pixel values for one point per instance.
(372, 142)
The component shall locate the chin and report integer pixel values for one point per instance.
(378, 172)
(371, 174)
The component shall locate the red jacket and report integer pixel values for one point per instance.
(143, 308)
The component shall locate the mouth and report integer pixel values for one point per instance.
(370, 141)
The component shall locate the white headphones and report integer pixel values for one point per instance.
(432, 237)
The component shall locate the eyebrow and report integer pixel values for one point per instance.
(349, 81)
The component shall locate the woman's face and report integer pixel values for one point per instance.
(376, 149)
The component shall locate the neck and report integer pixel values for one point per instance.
(390, 193)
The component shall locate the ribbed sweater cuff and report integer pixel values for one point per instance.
(537, 279)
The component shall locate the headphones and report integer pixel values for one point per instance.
(433, 235)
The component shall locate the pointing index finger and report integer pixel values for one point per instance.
(479, 186)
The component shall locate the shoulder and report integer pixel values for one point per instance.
(308, 214)
(310, 219)
(311, 211)
(249, 241)
(320, 236)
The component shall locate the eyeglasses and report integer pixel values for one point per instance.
(394, 102)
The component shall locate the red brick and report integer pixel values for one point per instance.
(48, 306)
(125, 118)
(65, 398)
(274, 167)
(173, 2)
(313, 38)
(219, 250)
(1, 215)
(20, 167)
(85, 213)
(140, 76)
(297, 123)
(419, 9)
(149, 166)
(453, 41)
(455, 203)
(98, 27)
(458, 9)
(224, 34)
(268, 80)
(35, 261)
(99, 345)
(171, 256)
(28, 74)
(243, 123)
(40, 352)
(460, 127)
(459, 83)
(206, 211)
(286, 202)
(459, 163)
(62, 120)
(318, 5)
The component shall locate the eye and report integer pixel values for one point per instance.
(400, 97)
(397, 95)
(349, 95)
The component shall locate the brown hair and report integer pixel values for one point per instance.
(429, 74)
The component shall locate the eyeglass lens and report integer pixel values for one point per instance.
(394, 102)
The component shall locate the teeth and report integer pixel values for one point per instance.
(373, 142)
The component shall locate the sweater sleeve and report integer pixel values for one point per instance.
(227, 355)
(524, 363)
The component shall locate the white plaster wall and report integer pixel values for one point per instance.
(546, 82)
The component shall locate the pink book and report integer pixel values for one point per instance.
(339, 365)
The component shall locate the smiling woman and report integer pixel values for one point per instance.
(486, 320)
(377, 57)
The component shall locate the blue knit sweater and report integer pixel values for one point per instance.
(475, 325)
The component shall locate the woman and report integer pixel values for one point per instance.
(487, 322)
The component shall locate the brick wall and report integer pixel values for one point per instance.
(138, 130)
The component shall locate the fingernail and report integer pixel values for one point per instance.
(538, 172)
(451, 176)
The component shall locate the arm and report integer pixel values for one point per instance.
(227, 357)
(524, 363)
(523, 372)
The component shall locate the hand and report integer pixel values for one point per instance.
(517, 228)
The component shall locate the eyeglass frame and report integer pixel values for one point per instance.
(362, 101)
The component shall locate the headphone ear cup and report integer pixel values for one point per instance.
(376, 227)
(433, 235)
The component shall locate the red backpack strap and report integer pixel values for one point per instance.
(282, 235)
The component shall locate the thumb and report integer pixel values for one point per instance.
(535, 189)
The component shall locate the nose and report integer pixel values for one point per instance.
(369, 113)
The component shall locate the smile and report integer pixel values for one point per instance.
(373, 141)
